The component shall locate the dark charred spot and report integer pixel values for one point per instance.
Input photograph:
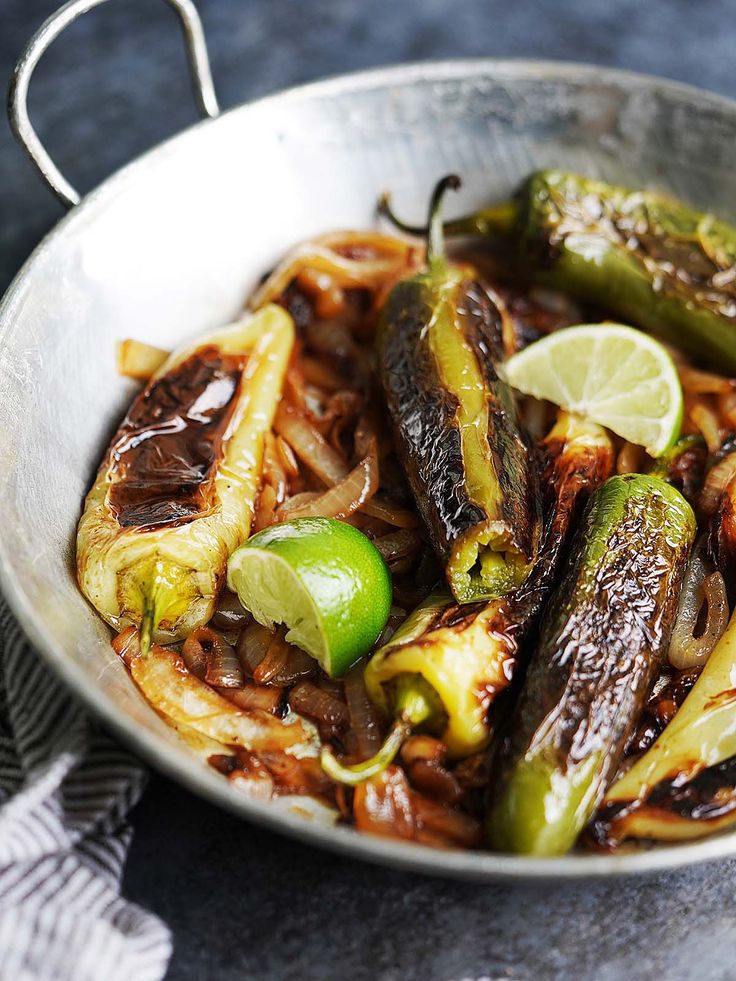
(164, 456)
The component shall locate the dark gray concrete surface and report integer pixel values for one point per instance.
(243, 903)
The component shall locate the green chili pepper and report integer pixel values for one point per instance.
(456, 424)
(672, 791)
(648, 259)
(606, 629)
(445, 667)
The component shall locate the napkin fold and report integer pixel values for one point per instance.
(65, 790)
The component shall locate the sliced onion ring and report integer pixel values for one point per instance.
(347, 496)
(700, 586)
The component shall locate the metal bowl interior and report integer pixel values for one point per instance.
(171, 245)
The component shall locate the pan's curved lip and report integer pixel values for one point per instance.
(485, 866)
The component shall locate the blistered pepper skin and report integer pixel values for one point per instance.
(145, 548)
(650, 260)
(683, 786)
(468, 654)
(457, 431)
(605, 631)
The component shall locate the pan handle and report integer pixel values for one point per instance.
(199, 68)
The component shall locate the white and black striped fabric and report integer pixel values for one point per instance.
(65, 789)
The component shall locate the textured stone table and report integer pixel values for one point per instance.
(243, 902)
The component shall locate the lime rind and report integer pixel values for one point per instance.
(263, 579)
(610, 373)
(321, 578)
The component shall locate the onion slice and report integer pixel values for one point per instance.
(716, 484)
(349, 260)
(701, 589)
(345, 497)
(309, 445)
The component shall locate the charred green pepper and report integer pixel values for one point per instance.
(446, 665)
(683, 787)
(456, 425)
(648, 259)
(606, 629)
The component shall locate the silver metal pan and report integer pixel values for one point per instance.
(171, 245)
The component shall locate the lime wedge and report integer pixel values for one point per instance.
(612, 374)
(323, 579)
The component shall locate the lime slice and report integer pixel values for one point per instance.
(323, 579)
(612, 374)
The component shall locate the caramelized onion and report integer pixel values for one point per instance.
(701, 591)
(380, 507)
(399, 545)
(727, 409)
(252, 646)
(265, 508)
(296, 502)
(433, 779)
(345, 260)
(333, 341)
(324, 461)
(319, 373)
(383, 805)
(286, 455)
(127, 644)
(629, 459)
(229, 614)
(707, 422)
(251, 697)
(210, 658)
(274, 661)
(298, 666)
(195, 656)
(716, 484)
(364, 720)
(310, 445)
(444, 827)
(273, 468)
(252, 777)
(296, 776)
(425, 748)
(346, 497)
(698, 382)
(307, 699)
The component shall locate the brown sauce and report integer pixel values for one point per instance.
(164, 456)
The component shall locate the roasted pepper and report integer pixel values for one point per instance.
(684, 786)
(445, 666)
(174, 494)
(606, 628)
(646, 258)
(455, 422)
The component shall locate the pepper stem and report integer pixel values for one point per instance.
(491, 223)
(435, 232)
(663, 464)
(415, 703)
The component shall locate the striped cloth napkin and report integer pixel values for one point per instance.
(65, 789)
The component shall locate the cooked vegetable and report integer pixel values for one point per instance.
(321, 578)
(646, 258)
(605, 632)
(702, 614)
(139, 360)
(652, 799)
(456, 425)
(189, 703)
(331, 264)
(174, 495)
(445, 666)
(589, 369)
